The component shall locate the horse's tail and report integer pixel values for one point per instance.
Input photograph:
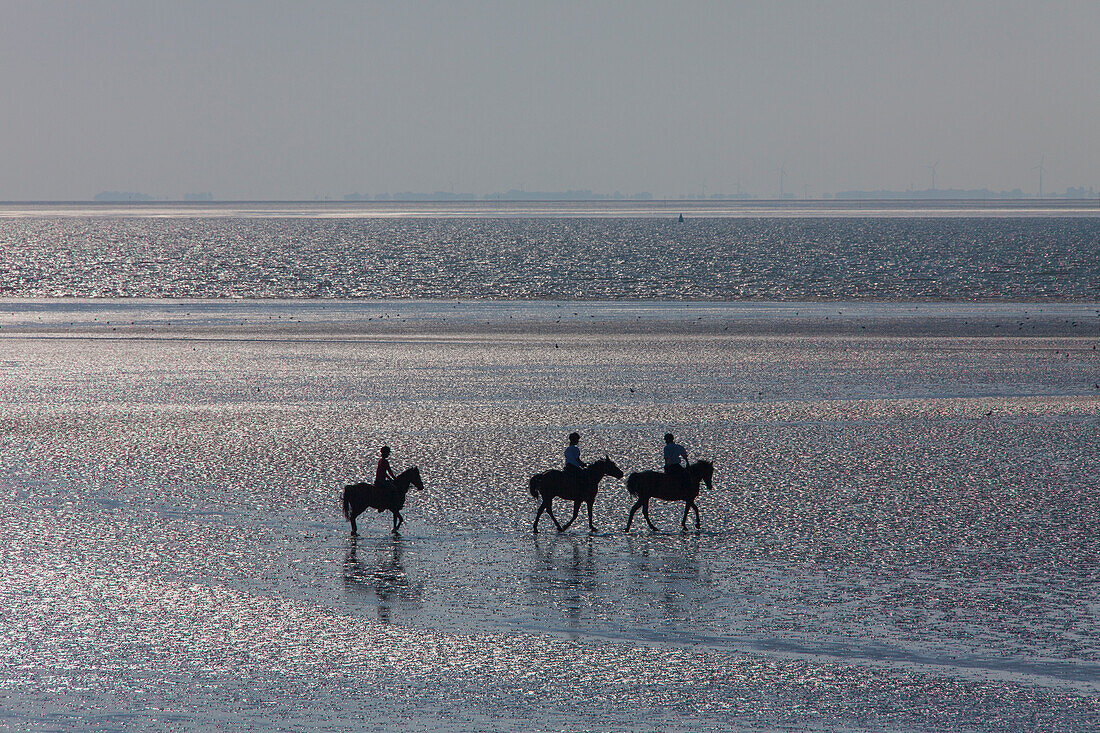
(346, 501)
(632, 482)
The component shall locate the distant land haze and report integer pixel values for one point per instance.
(930, 194)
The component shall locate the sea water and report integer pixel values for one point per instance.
(901, 533)
(576, 251)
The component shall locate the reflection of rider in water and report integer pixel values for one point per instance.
(573, 462)
(675, 459)
(383, 475)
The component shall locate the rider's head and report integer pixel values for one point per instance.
(668, 437)
(574, 438)
(385, 451)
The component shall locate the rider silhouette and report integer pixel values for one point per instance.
(383, 475)
(675, 460)
(573, 462)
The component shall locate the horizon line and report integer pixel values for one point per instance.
(1017, 201)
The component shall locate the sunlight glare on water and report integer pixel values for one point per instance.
(601, 252)
(897, 537)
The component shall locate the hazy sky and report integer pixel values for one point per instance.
(298, 100)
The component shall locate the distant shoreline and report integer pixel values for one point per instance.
(689, 208)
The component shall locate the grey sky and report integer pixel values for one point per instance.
(297, 100)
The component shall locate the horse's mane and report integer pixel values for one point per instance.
(603, 465)
(701, 467)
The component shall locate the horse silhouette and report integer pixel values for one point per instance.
(578, 488)
(387, 497)
(648, 485)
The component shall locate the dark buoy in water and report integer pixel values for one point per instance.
(681, 218)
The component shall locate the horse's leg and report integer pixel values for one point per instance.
(550, 513)
(591, 526)
(696, 514)
(549, 503)
(576, 511)
(546, 507)
(645, 513)
(397, 519)
(687, 508)
(630, 517)
(538, 515)
(356, 511)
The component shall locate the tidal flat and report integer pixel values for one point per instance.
(902, 531)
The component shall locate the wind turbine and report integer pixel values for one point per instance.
(1040, 168)
(933, 169)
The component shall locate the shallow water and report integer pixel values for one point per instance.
(901, 533)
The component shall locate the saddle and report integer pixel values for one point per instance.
(677, 477)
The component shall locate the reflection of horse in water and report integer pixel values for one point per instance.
(383, 497)
(566, 575)
(388, 581)
(681, 486)
(576, 486)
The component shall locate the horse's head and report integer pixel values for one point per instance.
(608, 468)
(414, 477)
(704, 471)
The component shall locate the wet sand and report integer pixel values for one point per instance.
(354, 319)
(900, 534)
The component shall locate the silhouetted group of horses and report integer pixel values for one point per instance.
(578, 486)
